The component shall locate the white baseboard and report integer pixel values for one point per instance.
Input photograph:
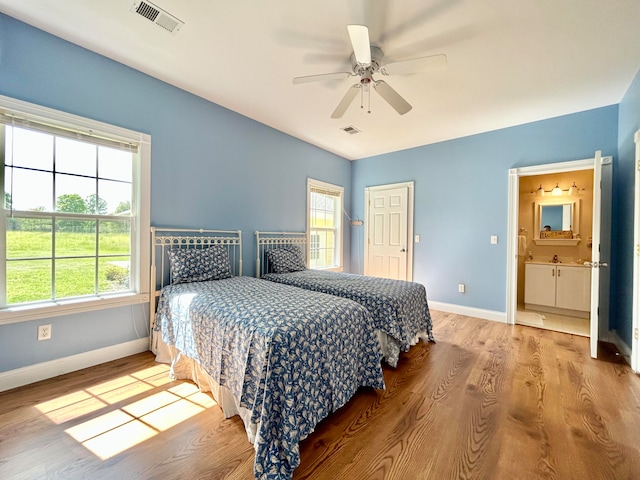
(42, 371)
(469, 311)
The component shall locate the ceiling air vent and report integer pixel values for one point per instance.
(351, 130)
(154, 14)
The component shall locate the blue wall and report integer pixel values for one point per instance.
(461, 198)
(211, 168)
(622, 214)
(214, 168)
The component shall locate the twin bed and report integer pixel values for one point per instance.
(279, 356)
(399, 309)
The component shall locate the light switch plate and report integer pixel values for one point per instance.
(417, 238)
(494, 239)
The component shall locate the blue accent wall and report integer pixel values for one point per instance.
(211, 168)
(622, 215)
(461, 198)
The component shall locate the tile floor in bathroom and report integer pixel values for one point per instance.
(552, 321)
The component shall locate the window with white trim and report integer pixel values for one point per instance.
(76, 204)
(324, 225)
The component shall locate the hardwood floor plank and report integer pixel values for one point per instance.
(487, 401)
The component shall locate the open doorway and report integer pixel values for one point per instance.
(598, 263)
(555, 212)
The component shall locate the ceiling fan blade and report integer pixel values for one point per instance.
(346, 101)
(321, 77)
(413, 65)
(392, 97)
(359, 35)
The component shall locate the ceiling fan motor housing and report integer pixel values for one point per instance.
(374, 66)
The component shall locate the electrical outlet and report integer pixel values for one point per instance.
(461, 287)
(44, 332)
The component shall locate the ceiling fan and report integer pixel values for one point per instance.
(366, 60)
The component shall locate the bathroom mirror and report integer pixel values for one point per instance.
(556, 217)
(560, 215)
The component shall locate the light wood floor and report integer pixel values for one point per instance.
(488, 401)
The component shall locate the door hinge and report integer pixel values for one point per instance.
(638, 165)
(635, 334)
(638, 249)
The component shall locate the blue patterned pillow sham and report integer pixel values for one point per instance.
(286, 259)
(199, 264)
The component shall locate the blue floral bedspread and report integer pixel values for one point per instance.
(290, 358)
(399, 308)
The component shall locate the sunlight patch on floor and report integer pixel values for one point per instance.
(109, 430)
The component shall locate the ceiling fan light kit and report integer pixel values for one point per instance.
(366, 60)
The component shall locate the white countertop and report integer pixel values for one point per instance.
(549, 262)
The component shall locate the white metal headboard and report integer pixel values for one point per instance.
(164, 239)
(268, 240)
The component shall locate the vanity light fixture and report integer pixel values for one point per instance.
(573, 189)
(557, 191)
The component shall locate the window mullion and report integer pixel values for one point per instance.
(97, 258)
(53, 255)
(53, 223)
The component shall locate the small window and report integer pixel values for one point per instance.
(324, 226)
(73, 203)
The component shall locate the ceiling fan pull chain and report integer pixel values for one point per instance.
(369, 92)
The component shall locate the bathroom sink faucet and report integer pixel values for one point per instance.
(555, 259)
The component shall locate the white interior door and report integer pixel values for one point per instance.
(601, 249)
(388, 231)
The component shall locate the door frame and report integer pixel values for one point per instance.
(410, 194)
(635, 343)
(512, 224)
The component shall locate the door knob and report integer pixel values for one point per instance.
(596, 264)
(402, 251)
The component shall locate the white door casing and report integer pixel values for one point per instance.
(389, 231)
(635, 343)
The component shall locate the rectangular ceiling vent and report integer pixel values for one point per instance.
(155, 14)
(350, 129)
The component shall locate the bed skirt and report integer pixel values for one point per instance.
(185, 368)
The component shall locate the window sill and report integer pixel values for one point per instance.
(68, 307)
(329, 269)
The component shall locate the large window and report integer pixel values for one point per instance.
(75, 206)
(324, 226)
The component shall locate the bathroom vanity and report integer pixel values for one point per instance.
(563, 288)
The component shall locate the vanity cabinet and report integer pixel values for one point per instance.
(560, 286)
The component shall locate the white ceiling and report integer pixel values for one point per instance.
(509, 62)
